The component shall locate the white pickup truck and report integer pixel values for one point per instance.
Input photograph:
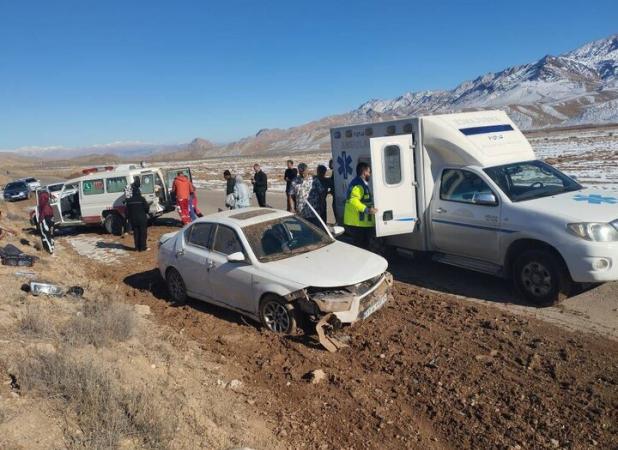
(468, 189)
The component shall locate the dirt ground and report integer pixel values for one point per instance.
(430, 370)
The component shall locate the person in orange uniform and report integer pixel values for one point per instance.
(183, 188)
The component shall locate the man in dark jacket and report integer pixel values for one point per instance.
(260, 185)
(137, 213)
(229, 188)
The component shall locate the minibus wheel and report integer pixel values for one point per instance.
(113, 224)
(540, 277)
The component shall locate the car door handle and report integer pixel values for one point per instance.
(440, 210)
(209, 264)
(180, 253)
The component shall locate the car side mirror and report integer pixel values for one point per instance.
(485, 199)
(337, 230)
(236, 257)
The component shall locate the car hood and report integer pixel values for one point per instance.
(587, 205)
(337, 264)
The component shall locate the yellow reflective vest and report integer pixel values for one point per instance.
(358, 199)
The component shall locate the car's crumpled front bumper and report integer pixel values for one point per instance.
(350, 303)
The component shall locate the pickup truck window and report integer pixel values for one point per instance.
(528, 180)
(461, 185)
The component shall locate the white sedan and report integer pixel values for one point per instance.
(274, 267)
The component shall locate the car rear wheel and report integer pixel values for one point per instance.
(113, 224)
(541, 277)
(176, 286)
(278, 315)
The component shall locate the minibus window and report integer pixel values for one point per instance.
(93, 187)
(115, 184)
(147, 184)
(392, 164)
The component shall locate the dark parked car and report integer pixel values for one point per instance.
(17, 190)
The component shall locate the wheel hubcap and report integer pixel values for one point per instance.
(276, 317)
(536, 279)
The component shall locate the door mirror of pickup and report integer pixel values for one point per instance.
(485, 199)
(236, 257)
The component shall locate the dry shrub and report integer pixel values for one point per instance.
(36, 322)
(99, 322)
(107, 410)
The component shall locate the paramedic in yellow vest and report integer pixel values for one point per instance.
(359, 213)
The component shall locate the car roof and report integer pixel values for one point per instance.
(245, 216)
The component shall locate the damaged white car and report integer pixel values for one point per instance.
(276, 268)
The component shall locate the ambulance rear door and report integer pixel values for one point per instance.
(394, 184)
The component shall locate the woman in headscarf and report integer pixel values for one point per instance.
(242, 194)
(46, 222)
(137, 213)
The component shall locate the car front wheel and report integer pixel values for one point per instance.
(541, 277)
(176, 286)
(278, 315)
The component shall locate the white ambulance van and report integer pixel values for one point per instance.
(98, 196)
(468, 189)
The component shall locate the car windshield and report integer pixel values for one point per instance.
(15, 186)
(531, 179)
(284, 237)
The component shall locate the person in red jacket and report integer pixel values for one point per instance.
(182, 188)
(46, 222)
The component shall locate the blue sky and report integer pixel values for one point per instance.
(82, 72)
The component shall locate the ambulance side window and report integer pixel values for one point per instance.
(461, 185)
(392, 164)
(147, 186)
(93, 187)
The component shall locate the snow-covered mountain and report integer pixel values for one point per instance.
(580, 86)
(577, 87)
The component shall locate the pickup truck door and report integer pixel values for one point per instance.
(462, 222)
(394, 184)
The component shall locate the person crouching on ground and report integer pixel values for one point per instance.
(359, 213)
(182, 188)
(137, 213)
(46, 222)
(242, 194)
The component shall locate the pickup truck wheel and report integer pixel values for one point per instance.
(541, 277)
(176, 286)
(113, 224)
(278, 315)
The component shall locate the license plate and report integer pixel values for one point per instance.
(373, 308)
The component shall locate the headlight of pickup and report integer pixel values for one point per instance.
(595, 231)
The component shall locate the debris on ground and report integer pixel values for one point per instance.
(315, 376)
(37, 288)
(12, 256)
